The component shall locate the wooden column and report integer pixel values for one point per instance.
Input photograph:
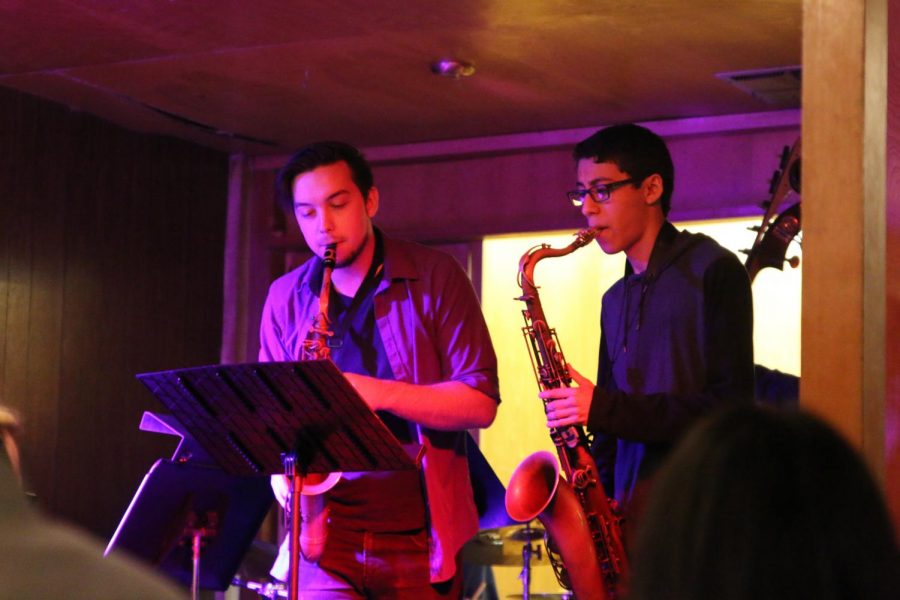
(892, 212)
(844, 371)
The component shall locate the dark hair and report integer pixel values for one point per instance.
(756, 503)
(321, 154)
(635, 150)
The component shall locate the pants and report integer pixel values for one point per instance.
(366, 565)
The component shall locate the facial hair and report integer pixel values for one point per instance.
(354, 253)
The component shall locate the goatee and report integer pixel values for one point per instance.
(354, 253)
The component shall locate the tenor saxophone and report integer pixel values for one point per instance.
(313, 509)
(584, 533)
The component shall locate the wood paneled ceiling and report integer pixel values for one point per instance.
(223, 73)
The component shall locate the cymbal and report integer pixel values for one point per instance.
(522, 533)
(503, 546)
(563, 596)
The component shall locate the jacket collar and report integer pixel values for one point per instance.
(670, 243)
(397, 263)
(661, 253)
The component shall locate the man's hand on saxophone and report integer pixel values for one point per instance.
(569, 405)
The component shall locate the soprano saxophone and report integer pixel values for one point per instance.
(584, 532)
(312, 509)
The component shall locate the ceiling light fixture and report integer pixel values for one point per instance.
(453, 68)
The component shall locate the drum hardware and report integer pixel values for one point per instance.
(517, 545)
(501, 546)
(526, 533)
(528, 551)
(264, 589)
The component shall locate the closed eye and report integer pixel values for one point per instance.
(304, 211)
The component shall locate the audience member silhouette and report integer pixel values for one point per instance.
(756, 503)
(42, 558)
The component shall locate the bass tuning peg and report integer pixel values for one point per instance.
(785, 156)
(773, 183)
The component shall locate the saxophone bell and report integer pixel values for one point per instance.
(537, 490)
(315, 484)
(314, 513)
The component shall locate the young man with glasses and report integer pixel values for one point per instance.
(676, 330)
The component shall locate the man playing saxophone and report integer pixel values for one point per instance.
(408, 333)
(676, 329)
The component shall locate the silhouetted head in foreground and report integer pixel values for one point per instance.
(761, 504)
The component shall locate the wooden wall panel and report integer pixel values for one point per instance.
(440, 193)
(112, 265)
(717, 175)
(892, 264)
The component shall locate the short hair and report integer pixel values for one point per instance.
(757, 503)
(635, 150)
(320, 154)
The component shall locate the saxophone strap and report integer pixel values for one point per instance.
(341, 322)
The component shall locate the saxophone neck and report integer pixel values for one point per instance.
(538, 253)
(329, 259)
(586, 236)
(315, 346)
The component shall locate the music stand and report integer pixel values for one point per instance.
(180, 502)
(260, 418)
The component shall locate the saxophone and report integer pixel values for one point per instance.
(313, 512)
(584, 533)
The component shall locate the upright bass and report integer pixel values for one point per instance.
(779, 226)
(584, 532)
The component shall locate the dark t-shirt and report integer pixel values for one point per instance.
(377, 501)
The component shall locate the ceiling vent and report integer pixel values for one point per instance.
(777, 87)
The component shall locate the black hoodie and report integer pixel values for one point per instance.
(677, 342)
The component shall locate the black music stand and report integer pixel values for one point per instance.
(258, 418)
(183, 509)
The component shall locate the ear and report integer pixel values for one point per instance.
(372, 202)
(653, 189)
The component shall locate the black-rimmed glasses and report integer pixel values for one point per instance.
(599, 192)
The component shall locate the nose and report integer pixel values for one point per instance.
(589, 207)
(326, 220)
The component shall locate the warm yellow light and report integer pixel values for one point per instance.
(571, 288)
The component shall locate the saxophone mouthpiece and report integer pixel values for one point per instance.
(330, 256)
(585, 236)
